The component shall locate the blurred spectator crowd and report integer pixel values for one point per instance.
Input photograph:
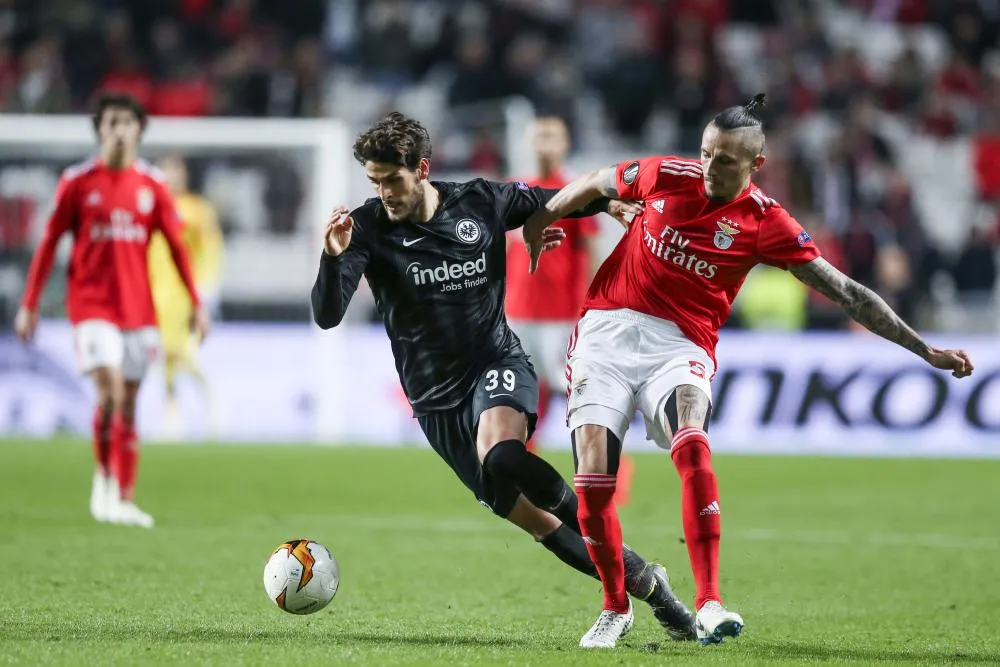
(178, 57)
(855, 88)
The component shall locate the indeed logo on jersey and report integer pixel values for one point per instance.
(122, 227)
(670, 246)
(450, 274)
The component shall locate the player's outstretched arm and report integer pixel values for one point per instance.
(340, 270)
(576, 195)
(869, 309)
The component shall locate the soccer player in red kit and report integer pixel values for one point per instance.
(111, 205)
(647, 338)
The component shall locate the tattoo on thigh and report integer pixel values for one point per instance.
(692, 405)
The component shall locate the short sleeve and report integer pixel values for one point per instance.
(782, 242)
(515, 202)
(638, 179)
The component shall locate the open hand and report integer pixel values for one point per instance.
(956, 361)
(337, 235)
(550, 239)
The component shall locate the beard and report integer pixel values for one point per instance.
(409, 211)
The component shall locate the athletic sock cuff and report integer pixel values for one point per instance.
(595, 481)
(686, 435)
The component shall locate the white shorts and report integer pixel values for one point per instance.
(100, 343)
(621, 361)
(545, 342)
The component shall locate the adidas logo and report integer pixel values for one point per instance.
(658, 205)
(713, 508)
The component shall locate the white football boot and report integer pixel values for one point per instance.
(713, 623)
(609, 628)
(124, 512)
(127, 514)
(100, 497)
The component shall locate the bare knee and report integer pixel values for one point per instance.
(110, 389)
(536, 522)
(590, 445)
(498, 424)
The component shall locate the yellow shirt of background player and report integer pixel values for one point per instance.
(203, 239)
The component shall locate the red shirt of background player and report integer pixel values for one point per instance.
(112, 214)
(556, 290)
(686, 258)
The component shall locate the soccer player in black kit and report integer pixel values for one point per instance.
(434, 254)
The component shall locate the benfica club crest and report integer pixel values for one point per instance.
(727, 230)
(144, 201)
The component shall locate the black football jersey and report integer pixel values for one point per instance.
(439, 286)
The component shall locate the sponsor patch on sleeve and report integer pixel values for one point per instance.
(630, 172)
(803, 238)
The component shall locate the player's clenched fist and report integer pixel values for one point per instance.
(956, 361)
(338, 231)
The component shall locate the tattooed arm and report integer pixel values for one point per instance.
(869, 309)
(575, 195)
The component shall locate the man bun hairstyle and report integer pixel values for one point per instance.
(745, 116)
(396, 139)
(112, 100)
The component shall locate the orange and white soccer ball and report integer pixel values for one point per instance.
(301, 576)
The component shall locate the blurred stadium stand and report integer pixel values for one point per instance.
(884, 117)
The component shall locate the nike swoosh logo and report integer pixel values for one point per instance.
(495, 395)
(408, 242)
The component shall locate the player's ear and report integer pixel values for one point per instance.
(757, 163)
(423, 168)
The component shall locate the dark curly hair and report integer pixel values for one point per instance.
(112, 100)
(396, 139)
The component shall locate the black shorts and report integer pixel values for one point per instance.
(452, 433)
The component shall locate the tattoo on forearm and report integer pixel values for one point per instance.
(692, 405)
(609, 181)
(862, 304)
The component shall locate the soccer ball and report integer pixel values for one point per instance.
(301, 576)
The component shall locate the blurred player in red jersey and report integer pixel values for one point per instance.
(111, 205)
(647, 338)
(543, 308)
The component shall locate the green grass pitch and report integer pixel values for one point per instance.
(828, 560)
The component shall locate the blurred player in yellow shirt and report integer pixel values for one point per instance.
(203, 239)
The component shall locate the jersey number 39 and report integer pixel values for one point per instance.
(493, 379)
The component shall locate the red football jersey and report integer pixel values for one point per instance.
(686, 257)
(112, 215)
(557, 289)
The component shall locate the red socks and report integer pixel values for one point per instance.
(699, 510)
(102, 434)
(126, 456)
(602, 533)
